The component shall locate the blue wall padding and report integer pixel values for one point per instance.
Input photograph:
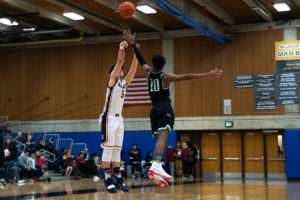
(175, 12)
(292, 152)
(143, 139)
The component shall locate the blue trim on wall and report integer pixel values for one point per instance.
(143, 139)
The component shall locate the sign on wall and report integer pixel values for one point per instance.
(287, 56)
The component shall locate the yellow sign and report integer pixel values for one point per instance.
(287, 50)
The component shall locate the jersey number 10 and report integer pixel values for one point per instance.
(154, 85)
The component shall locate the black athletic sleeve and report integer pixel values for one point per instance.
(138, 55)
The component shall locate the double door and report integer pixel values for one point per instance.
(242, 154)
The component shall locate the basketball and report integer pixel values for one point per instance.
(126, 9)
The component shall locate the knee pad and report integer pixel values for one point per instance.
(107, 155)
(116, 155)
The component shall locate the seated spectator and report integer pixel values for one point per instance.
(42, 163)
(23, 163)
(19, 137)
(36, 171)
(7, 129)
(29, 141)
(2, 169)
(50, 147)
(70, 162)
(1, 135)
(148, 162)
(86, 154)
(92, 167)
(134, 157)
(66, 168)
(40, 145)
(82, 166)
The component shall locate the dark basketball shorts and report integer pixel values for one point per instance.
(162, 118)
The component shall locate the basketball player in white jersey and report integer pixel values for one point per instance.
(111, 121)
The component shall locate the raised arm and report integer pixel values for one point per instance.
(120, 60)
(130, 39)
(132, 69)
(168, 78)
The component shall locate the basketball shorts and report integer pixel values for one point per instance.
(162, 118)
(112, 128)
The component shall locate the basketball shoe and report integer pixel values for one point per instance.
(160, 182)
(156, 168)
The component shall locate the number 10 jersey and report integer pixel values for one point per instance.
(157, 91)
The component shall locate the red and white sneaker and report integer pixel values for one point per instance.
(156, 168)
(157, 180)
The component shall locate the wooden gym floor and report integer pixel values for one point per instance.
(144, 189)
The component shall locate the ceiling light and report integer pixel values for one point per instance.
(73, 16)
(281, 7)
(146, 9)
(8, 22)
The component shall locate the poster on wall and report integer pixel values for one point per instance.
(288, 88)
(265, 92)
(287, 56)
(244, 81)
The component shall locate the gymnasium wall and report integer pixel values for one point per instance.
(75, 77)
(251, 53)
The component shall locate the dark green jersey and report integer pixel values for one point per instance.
(156, 89)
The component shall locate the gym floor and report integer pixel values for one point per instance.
(145, 189)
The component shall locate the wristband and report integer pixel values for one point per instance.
(121, 48)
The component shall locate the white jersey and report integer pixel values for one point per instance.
(115, 98)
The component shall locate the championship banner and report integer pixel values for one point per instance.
(287, 56)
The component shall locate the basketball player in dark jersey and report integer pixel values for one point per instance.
(162, 115)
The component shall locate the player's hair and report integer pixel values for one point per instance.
(158, 61)
(112, 68)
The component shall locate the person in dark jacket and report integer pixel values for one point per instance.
(10, 156)
(92, 167)
(40, 145)
(135, 156)
(50, 147)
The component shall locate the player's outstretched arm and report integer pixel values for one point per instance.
(168, 78)
(130, 39)
(132, 69)
(120, 60)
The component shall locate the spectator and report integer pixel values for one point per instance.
(40, 145)
(29, 141)
(36, 172)
(67, 169)
(86, 154)
(92, 167)
(1, 135)
(170, 160)
(178, 159)
(50, 147)
(134, 156)
(11, 155)
(122, 169)
(2, 169)
(70, 162)
(148, 162)
(19, 137)
(42, 164)
(23, 163)
(192, 160)
(7, 129)
(185, 160)
(82, 166)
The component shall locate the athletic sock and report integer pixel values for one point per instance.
(158, 157)
(117, 172)
(107, 173)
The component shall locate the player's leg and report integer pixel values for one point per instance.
(108, 139)
(116, 158)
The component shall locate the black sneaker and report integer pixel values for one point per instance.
(110, 187)
(119, 183)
